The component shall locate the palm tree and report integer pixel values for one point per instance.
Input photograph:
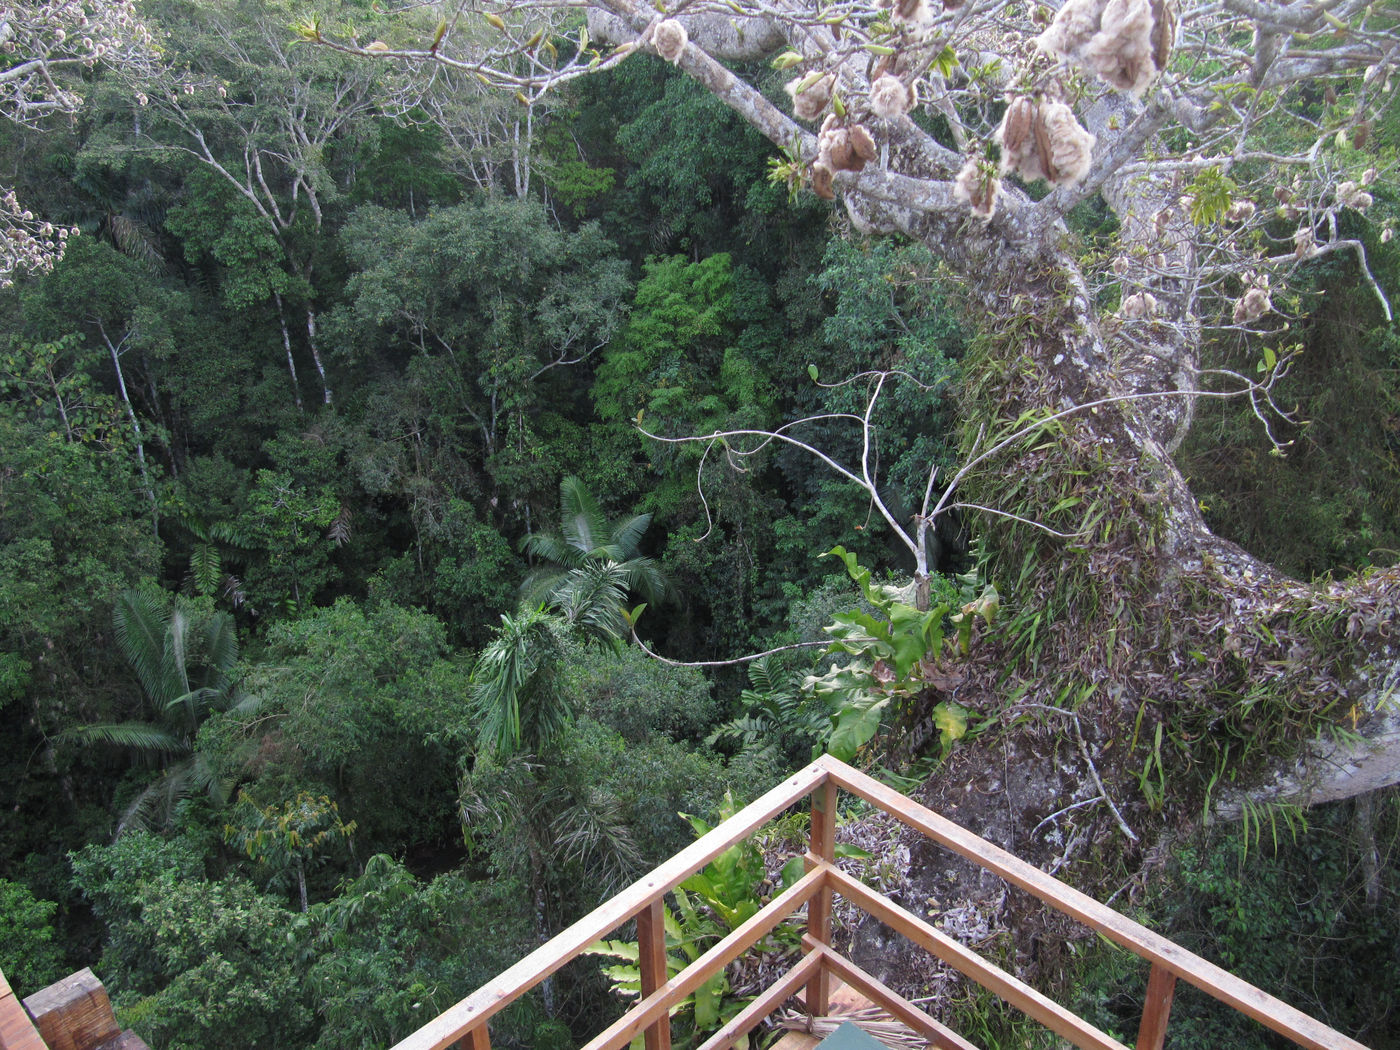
(514, 690)
(184, 662)
(589, 541)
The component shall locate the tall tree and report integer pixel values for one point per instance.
(986, 134)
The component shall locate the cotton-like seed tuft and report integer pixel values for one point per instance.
(808, 103)
(978, 188)
(1125, 42)
(1350, 195)
(1304, 243)
(821, 181)
(1240, 211)
(911, 13)
(1251, 306)
(1071, 147)
(890, 97)
(1044, 141)
(669, 40)
(863, 143)
(1139, 306)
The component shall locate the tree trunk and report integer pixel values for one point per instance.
(287, 345)
(311, 342)
(135, 427)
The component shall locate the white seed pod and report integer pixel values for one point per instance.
(1251, 306)
(1304, 243)
(1240, 211)
(1350, 195)
(1018, 136)
(1386, 235)
(911, 13)
(810, 95)
(1125, 42)
(1073, 27)
(822, 177)
(1121, 266)
(978, 188)
(1369, 176)
(1139, 306)
(1071, 148)
(670, 39)
(890, 97)
(862, 143)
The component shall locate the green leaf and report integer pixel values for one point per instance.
(792, 871)
(855, 726)
(951, 720)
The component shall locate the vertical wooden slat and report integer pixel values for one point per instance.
(477, 1039)
(651, 949)
(1161, 986)
(819, 907)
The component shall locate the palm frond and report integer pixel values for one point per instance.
(140, 623)
(176, 678)
(646, 577)
(592, 599)
(627, 535)
(220, 650)
(135, 736)
(550, 548)
(590, 829)
(540, 584)
(155, 806)
(581, 520)
(763, 676)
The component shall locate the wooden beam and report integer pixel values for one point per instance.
(1019, 994)
(625, 1028)
(1221, 984)
(774, 996)
(74, 1013)
(494, 996)
(651, 958)
(938, 1034)
(823, 846)
(17, 1031)
(1157, 1010)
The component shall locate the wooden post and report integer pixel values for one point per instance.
(74, 1013)
(477, 1039)
(1161, 985)
(651, 955)
(819, 907)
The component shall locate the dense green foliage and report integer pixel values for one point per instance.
(284, 754)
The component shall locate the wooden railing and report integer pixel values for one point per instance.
(467, 1020)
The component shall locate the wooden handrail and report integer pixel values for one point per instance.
(821, 779)
(488, 1000)
(1220, 984)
